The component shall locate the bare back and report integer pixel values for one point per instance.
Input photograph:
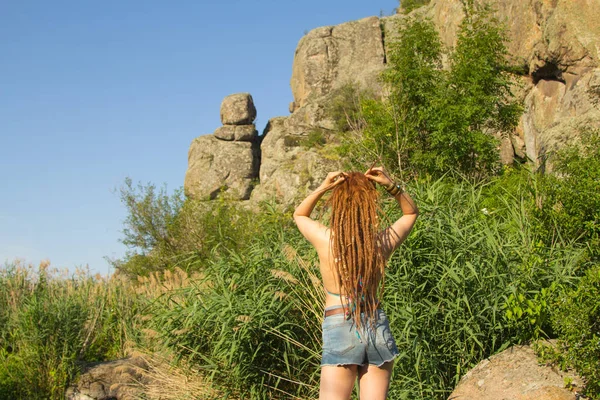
(322, 243)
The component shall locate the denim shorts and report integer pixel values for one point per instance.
(344, 344)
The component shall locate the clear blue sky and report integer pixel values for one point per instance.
(94, 92)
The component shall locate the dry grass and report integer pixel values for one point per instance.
(158, 283)
(167, 380)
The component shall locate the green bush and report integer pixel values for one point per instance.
(164, 231)
(406, 6)
(436, 120)
(569, 208)
(576, 318)
(314, 139)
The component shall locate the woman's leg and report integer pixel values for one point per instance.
(374, 381)
(337, 382)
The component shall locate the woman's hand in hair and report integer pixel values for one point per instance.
(378, 175)
(333, 179)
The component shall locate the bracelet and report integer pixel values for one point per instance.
(394, 189)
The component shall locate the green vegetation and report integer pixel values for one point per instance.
(315, 139)
(477, 274)
(577, 321)
(408, 5)
(163, 232)
(436, 120)
(571, 202)
(50, 323)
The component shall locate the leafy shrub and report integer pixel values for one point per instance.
(433, 120)
(345, 107)
(576, 317)
(569, 208)
(164, 231)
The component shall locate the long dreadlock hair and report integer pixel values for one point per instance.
(357, 255)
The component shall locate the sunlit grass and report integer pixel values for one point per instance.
(247, 323)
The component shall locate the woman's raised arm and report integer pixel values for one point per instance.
(311, 229)
(395, 234)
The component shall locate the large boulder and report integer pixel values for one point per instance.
(221, 167)
(238, 109)
(289, 168)
(515, 374)
(329, 57)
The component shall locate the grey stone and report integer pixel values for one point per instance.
(288, 170)
(239, 133)
(120, 379)
(238, 109)
(218, 167)
(329, 57)
(514, 374)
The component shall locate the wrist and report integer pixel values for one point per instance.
(394, 189)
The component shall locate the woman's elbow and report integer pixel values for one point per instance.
(297, 217)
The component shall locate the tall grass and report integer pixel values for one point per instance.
(249, 321)
(52, 321)
(448, 285)
(254, 319)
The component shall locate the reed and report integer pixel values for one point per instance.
(52, 321)
(248, 324)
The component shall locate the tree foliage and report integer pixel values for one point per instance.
(406, 6)
(577, 320)
(570, 206)
(433, 120)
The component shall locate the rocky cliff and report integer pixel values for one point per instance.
(557, 43)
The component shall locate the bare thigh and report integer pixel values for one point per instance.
(374, 381)
(337, 382)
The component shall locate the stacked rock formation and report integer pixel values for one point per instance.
(226, 162)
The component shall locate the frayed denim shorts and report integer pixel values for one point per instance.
(343, 344)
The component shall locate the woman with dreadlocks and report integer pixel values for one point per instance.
(353, 252)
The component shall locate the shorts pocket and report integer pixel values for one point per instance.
(338, 336)
(384, 336)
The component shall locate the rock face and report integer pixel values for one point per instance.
(331, 56)
(514, 374)
(120, 380)
(289, 168)
(557, 43)
(238, 109)
(227, 162)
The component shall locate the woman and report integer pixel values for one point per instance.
(357, 342)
